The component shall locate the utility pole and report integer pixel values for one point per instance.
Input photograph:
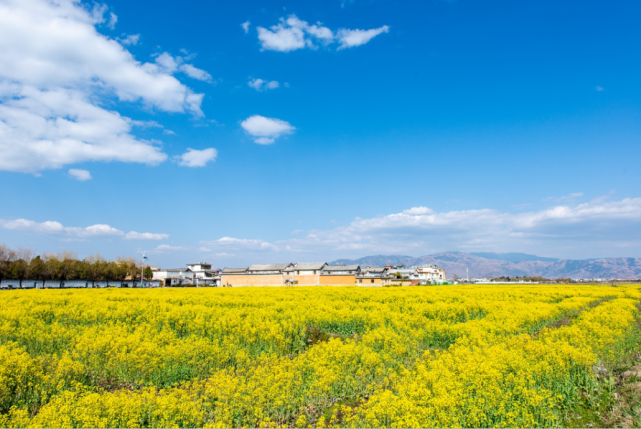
(142, 270)
(467, 270)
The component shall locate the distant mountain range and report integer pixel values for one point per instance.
(512, 264)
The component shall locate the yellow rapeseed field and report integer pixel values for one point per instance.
(450, 356)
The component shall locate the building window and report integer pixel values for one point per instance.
(372, 280)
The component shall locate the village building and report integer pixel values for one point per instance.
(316, 274)
(255, 275)
(340, 275)
(301, 274)
(428, 274)
(373, 271)
(305, 273)
(173, 276)
(404, 273)
(204, 274)
(371, 276)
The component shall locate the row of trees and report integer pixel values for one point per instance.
(23, 263)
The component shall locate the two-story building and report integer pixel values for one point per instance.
(428, 274)
(204, 274)
(305, 273)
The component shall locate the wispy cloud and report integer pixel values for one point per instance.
(82, 175)
(292, 33)
(129, 40)
(245, 26)
(133, 235)
(70, 232)
(352, 38)
(113, 19)
(569, 197)
(262, 85)
(172, 64)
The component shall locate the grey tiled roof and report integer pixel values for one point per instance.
(268, 267)
(401, 271)
(306, 266)
(234, 270)
(341, 268)
(372, 276)
(374, 270)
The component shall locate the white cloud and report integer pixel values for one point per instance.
(266, 130)
(99, 230)
(239, 244)
(81, 175)
(196, 158)
(351, 38)
(70, 232)
(262, 85)
(48, 227)
(245, 26)
(131, 39)
(418, 211)
(599, 88)
(591, 229)
(56, 72)
(293, 33)
(133, 235)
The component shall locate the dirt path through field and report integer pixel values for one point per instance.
(628, 398)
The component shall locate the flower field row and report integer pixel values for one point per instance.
(361, 357)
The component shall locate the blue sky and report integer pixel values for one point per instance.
(242, 132)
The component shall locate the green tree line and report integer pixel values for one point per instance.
(23, 263)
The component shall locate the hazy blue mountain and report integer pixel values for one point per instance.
(376, 260)
(512, 257)
(459, 264)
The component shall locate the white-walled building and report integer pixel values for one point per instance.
(203, 270)
(428, 274)
(174, 276)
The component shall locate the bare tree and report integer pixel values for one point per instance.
(24, 253)
(6, 257)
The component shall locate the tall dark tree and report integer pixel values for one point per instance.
(82, 270)
(18, 269)
(68, 269)
(148, 273)
(37, 269)
(94, 267)
(52, 267)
